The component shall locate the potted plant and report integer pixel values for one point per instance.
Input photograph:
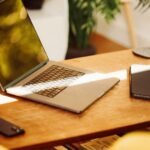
(82, 21)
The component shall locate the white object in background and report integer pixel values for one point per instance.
(51, 23)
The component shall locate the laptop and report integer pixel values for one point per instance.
(26, 71)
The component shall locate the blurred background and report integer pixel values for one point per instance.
(52, 24)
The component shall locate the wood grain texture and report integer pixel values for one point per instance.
(115, 112)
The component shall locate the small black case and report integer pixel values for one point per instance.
(9, 129)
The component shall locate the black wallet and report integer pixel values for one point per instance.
(140, 81)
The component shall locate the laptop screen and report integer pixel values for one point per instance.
(20, 48)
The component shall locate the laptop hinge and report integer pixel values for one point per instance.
(24, 76)
(1, 88)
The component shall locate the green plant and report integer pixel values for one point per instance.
(81, 17)
(144, 4)
(82, 20)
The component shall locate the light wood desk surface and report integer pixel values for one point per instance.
(115, 112)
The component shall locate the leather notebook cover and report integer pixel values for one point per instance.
(140, 81)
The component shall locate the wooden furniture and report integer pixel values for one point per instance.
(115, 112)
(108, 45)
(130, 22)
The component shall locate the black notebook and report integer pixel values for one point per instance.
(140, 81)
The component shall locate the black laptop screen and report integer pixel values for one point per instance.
(20, 47)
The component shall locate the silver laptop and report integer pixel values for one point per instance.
(26, 71)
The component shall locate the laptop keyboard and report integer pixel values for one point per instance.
(52, 81)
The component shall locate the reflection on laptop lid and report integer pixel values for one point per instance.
(21, 51)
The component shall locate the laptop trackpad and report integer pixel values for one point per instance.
(80, 95)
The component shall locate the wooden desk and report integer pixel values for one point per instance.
(116, 112)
